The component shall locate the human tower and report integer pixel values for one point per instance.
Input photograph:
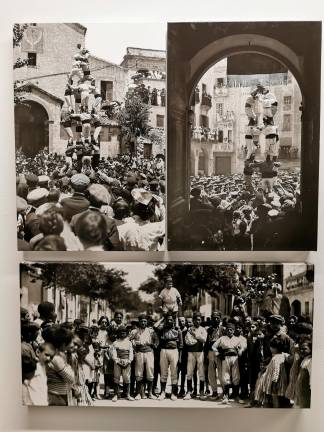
(82, 111)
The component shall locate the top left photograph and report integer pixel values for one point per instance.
(89, 107)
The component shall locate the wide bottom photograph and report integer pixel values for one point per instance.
(161, 334)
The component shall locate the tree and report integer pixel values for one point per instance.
(157, 137)
(94, 281)
(191, 279)
(18, 33)
(133, 118)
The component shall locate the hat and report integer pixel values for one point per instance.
(43, 180)
(273, 213)
(65, 181)
(74, 205)
(131, 178)
(37, 196)
(32, 224)
(142, 196)
(21, 204)
(98, 193)
(154, 183)
(80, 181)
(121, 329)
(44, 207)
(195, 192)
(275, 204)
(22, 190)
(215, 200)
(246, 208)
(265, 206)
(277, 318)
(160, 155)
(230, 325)
(31, 179)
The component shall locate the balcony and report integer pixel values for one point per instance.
(206, 101)
(201, 134)
(226, 147)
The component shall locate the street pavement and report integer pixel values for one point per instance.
(166, 403)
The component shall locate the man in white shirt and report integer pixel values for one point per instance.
(37, 385)
(194, 341)
(228, 348)
(171, 298)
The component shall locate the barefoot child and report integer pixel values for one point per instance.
(122, 355)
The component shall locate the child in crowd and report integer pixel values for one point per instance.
(38, 390)
(122, 355)
(275, 377)
(97, 367)
(303, 385)
(28, 367)
(60, 375)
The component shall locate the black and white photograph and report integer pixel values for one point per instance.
(166, 335)
(243, 135)
(89, 106)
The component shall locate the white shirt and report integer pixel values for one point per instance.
(169, 298)
(225, 342)
(36, 388)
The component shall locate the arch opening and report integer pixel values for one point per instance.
(234, 132)
(194, 48)
(31, 127)
(296, 308)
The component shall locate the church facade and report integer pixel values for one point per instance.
(49, 49)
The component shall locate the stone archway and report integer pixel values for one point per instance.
(31, 127)
(192, 49)
(296, 308)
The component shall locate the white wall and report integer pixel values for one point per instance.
(13, 417)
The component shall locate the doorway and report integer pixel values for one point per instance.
(31, 128)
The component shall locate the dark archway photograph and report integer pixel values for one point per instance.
(243, 135)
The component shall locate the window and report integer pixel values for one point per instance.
(220, 82)
(201, 162)
(220, 136)
(203, 88)
(230, 135)
(160, 121)
(32, 59)
(219, 108)
(106, 90)
(287, 103)
(147, 150)
(287, 100)
(307, 308)
(286, 124)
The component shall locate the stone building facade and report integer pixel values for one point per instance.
(50, 49)
(299, 289)
(153, 63)
(67, 307)
(219, 120)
